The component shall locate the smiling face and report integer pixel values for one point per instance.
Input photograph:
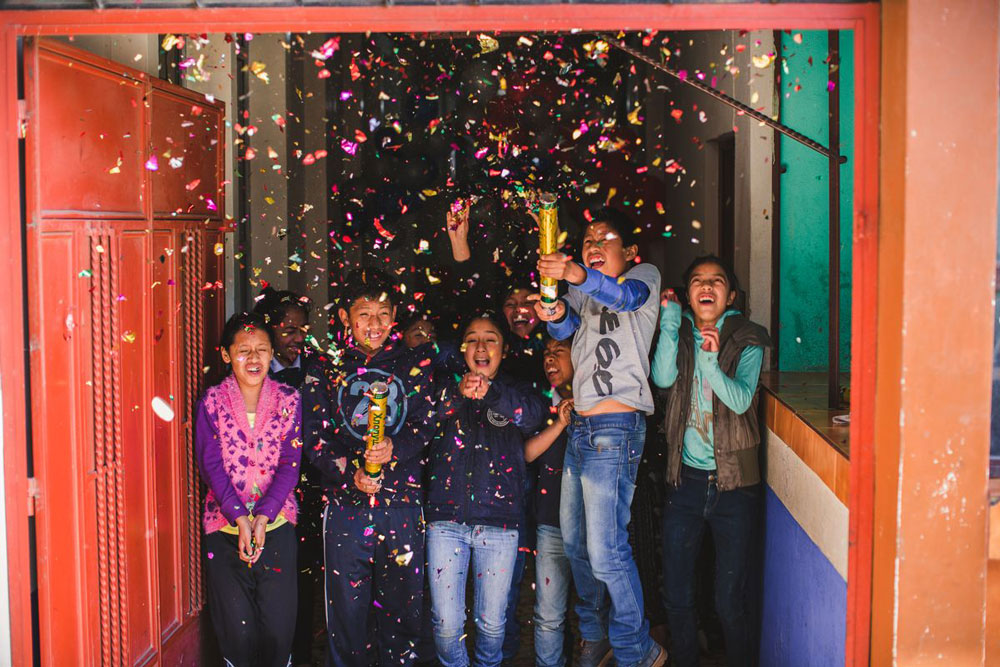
(290, 335)
(603, 250)
(557, 363)
(370, 322)
(250, 356)
(418, 333)
(709, 293)
(482, 346)
(520, 313)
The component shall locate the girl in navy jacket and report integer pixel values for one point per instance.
(475, 496)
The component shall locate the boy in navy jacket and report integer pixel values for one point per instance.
(373, 528)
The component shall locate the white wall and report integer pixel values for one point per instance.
(220, 84)
(140, 51)
(691, 198)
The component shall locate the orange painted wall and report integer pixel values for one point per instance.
(937, 241)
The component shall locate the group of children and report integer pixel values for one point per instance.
(283, 441)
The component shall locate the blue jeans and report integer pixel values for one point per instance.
(552, 582)
(512, 628)
(732, 518)
(493, 552)
(602, 459)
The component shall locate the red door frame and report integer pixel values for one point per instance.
(863, 19)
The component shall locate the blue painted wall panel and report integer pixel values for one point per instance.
(804, 614)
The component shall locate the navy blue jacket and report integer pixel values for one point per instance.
(310, 488)
(477, 460)
(335, 418)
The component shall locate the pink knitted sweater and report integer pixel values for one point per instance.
(248, 470)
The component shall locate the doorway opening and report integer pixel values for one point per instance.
(287, 242)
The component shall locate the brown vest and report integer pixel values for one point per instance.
(737, 436)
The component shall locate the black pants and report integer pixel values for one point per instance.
(374, 565)
(253, 608)
(310, 562)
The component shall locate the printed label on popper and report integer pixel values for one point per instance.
(378, 394)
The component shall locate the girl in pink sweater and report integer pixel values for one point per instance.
(248, 446)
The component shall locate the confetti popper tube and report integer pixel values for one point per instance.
(548, 242)
(378, 394)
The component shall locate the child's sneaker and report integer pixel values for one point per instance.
(656, 657)
(594, 654)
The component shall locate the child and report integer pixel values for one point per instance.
(476, 495)
(612, 308)
(373, 528)
(484, 282)
(247, 446)
(552, 570)
(710, 358)
(287, 314)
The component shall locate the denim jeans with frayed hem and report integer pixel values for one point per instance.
(492, 552)
(602, 459)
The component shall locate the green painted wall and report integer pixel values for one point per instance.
(804, 190)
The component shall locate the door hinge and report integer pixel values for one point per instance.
(22, 119)
(34, 494)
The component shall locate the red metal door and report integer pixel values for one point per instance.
(124, 196)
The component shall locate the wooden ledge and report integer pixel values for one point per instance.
(807, 428)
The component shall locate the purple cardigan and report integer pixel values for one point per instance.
(248, 470)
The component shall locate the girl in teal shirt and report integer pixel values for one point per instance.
(709, 359)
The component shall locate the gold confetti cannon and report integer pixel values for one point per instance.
(548, 242)
(378, 394)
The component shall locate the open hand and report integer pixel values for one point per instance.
(668, 296)
(711, 342)
(380, 453)
(542, 310)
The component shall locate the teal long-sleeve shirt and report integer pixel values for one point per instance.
(709, 379)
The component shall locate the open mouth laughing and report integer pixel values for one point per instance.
(595, 261)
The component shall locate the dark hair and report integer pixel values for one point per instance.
(510, 287)
(414, 318)
(618, 221)
(274, 305)
(568, 342)
(369, 284)
(734, 285)
(497, 322)
(244, 322)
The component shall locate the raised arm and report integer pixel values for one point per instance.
(665, 357)
(539, 443)
(623, 296)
